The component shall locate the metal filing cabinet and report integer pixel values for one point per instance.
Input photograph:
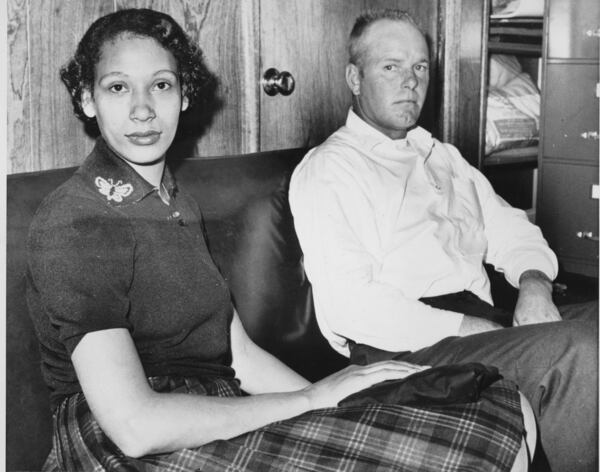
(567, 206)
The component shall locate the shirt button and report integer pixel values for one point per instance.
(175, 214)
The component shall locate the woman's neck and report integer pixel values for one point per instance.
(153, 173)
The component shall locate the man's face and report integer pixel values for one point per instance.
(391, 84)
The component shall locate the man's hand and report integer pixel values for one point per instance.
(535, 304)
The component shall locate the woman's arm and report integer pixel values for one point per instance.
(259, 371)
(140, 421)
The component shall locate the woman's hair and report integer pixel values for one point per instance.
(197, 82)
(355, 45)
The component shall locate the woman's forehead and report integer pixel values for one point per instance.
(134, 52)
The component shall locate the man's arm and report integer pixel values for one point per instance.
(535, 304)
(338, 230)
(517, 248)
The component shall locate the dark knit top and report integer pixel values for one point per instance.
(106, 252)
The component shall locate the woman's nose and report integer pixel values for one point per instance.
(141, 107)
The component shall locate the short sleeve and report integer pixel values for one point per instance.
(81, 266)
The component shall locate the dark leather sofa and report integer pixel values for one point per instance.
(251, 236)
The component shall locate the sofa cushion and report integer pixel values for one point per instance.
(28, 419)
(250, 233)
(251, 236)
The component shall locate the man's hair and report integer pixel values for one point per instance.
(355, 46)
(197, 82)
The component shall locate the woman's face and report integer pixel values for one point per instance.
(136, 98)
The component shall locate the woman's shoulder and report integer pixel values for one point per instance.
(73, 208)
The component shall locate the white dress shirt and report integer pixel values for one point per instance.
(385, 222)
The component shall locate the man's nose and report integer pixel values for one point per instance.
(409, 80)
(142, 108)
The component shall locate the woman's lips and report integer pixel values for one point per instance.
(145, 138)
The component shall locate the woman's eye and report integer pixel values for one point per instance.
(163, 85)
(117, 88)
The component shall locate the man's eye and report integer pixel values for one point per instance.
(390, 67)
(421, 67)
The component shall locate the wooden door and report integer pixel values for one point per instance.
(308, 39)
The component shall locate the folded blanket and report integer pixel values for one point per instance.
(443, 385)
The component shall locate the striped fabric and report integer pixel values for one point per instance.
(479, 436)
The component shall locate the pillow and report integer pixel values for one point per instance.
(513, 107)
(503, 68)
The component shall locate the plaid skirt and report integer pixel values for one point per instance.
(479, 436)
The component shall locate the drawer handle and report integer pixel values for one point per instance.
(590, 135)
(587, 235)
(593, 33)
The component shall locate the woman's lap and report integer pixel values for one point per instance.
(484, 435)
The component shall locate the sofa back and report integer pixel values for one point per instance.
(251, 236)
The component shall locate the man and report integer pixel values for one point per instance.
(395, 227)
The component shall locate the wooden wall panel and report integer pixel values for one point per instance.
(240, 39)
(461, 85)
(58, 138)
(215, 26)
(308, 39)
(18, 100)
(43, 133)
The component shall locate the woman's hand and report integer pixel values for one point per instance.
(329, 391)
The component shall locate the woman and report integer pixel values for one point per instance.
(148, 364)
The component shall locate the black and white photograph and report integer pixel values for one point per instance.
(300, 235)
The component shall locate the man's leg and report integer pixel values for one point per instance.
(556, 366)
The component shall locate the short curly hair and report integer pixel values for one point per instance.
(197, 82)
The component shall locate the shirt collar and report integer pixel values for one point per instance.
(419, 139)
(114, 179)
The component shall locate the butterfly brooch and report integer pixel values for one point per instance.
(113, 191)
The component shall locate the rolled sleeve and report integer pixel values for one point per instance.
(515, 245)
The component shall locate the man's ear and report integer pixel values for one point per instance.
(353, 78)
(87, 103)
(185, 103)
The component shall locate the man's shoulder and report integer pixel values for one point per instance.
(450, 156)
(340, 150)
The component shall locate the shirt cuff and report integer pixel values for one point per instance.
(546, 264)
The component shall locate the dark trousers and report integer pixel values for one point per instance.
(555, 366)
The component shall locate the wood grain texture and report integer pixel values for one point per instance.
(240, 39)
(464, 63)
(18, 100)
(58, 137)
(215, 26)
(308, 39)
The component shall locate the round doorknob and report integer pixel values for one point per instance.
(586, 235)
(275, 82)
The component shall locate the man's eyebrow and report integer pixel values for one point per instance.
(402, 59)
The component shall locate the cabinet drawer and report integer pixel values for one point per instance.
(570, 109)
(566, 208)
(568, 24)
